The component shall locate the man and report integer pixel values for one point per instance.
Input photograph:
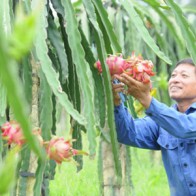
(169, 129)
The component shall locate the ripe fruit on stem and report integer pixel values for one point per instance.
(61, 150)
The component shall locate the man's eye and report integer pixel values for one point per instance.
(184, 76)
(173, 75)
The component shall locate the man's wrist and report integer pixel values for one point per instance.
(146, 101)
(117, 103)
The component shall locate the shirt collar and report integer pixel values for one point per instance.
(193, 105)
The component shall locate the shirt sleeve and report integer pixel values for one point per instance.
(142, 133)
(181, 125)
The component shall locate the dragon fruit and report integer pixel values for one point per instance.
(116, 64)
(59, 150)
(134, 66)
(11, 131)
(140, 69)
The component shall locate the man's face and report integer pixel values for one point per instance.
(182, 84)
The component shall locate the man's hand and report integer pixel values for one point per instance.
(139, 90)
(116, 89)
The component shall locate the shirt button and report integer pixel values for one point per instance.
(116, 111)
(185, 165)
(191, 185)
(167, 145)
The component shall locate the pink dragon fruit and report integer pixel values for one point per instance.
(12, 132)
(60, 150)
(98, 66)
(134, 66)
(116, 64)
(139, 69)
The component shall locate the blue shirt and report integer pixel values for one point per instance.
(172, 132)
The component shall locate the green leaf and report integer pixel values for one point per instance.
(8, 170)
(110, 129)
(83, 72)
(110, 125)
(3, 100)
(25, 159)
(136, 20)
(39, 177)
(188, 34)
(27, 78)
(164, 18)
(45, 107)
(58, 6)
(12, 83)
(98, 84)
(119, 28)
(108, 26)
(77, 144)
(20, 42)
(5, 16)
(57, 42)
(50, 74)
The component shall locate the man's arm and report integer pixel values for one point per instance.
(176, 123)
(142, 133)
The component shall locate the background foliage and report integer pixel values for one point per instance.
(57, 43)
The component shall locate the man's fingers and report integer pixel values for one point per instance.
(117, 89)
(129, 80)
(126, 79)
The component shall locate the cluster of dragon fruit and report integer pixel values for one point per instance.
(134, 66)
(57, 149)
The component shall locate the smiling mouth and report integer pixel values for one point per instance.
(174, 88)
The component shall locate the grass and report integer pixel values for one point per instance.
(148, 177)
(68, 182)
(148, 174)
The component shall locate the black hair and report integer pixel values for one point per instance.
(186, 61)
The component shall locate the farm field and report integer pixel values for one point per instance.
(148, 177)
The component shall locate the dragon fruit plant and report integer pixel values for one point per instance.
(59, 150)
(135, 66)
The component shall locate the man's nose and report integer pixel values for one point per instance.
(175, 79)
